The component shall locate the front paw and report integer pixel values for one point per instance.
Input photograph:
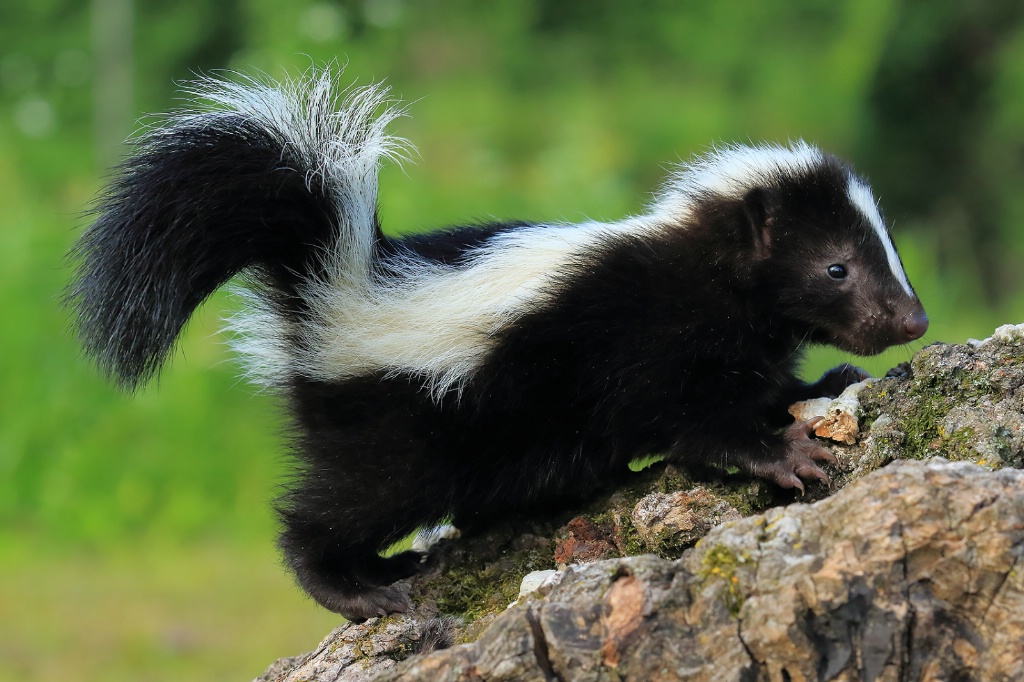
(834, 381)
(799, 461)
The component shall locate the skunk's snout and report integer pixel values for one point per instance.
(915, 325)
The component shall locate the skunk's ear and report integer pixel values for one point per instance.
(757, 210)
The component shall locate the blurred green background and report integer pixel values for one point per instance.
(136, 539)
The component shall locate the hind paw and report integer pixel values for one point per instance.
(372, 603)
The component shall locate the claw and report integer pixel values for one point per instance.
(806, 428)
(807, 470)
(371, 602)
(824, 455)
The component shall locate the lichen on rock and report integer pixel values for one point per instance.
(964, 402)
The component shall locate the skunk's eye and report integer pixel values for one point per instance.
(836, 271)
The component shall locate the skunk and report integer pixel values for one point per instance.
(488, 369)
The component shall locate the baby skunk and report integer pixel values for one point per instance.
(487, 369)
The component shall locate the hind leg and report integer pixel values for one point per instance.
(341, 517)
(372, 469)
(335, 527)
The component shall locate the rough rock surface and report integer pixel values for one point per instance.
(680, 518)
(905, 573)
(909, 573)
(964, 402)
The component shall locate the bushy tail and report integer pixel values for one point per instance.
(275, 179)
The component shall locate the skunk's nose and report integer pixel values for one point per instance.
(915, 325)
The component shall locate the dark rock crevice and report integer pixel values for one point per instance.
(540, 645)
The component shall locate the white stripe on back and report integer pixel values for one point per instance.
(437, 322)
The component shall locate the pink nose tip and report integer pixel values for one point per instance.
(915, 325)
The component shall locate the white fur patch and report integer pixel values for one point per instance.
(861, 197)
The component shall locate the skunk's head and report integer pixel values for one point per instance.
(807, 236)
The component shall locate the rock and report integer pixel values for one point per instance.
(1007, 334)
(352, 652)
(963, 402)
(536, 582)
(583, 541)
(909, 573)
(679, 519)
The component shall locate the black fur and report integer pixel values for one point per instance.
(684, 342)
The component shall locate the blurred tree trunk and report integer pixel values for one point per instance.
(113, 90)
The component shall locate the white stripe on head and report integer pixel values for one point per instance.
(861, 197)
